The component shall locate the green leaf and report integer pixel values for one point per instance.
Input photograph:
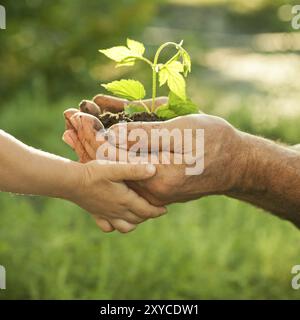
(136, 47)
(173, 99)
(126, 63)
(171, 73)
(168, 70)
(187, 64)
(187, 107)
(169, 111)
(118, 53)
(123, 55)
(134, 108)
(163, 76)
(186, 60)
(128, 89)
(181, 107)
(165, 112)
(176, 84)
(175, 66)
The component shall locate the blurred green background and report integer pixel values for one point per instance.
(246, 68)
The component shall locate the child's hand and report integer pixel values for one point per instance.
(102, 192)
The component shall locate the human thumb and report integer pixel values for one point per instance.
(131, 172)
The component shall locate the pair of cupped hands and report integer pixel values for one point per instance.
(143, 198)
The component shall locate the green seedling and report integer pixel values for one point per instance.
(171, 73)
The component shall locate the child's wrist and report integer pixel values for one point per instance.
(72, 180)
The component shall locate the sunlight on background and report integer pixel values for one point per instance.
(265, 65)
(239, 5)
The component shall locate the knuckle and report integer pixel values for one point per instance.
(223, 127)
(134, 219)
(124, 201)
(146, 213)
(152, 214)
(163, 188)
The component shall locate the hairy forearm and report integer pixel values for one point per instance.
(271, 179)
(26, 170)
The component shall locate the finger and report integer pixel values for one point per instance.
(104, 225)
(158, 102)
(143, 191)
(71, 138)
(113, 104)
(117, 156)
(89, 119)
(109, 103)
(154, 136)
(132, 218)
(126, 135)
(68, 114)
(68, 139)
(87, 127)
(89, 107)
(131, 172)
(112, 154)
(122, 225)
(142, 208)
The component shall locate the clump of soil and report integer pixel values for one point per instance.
(108, 119)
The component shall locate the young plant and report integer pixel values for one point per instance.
(171, 73)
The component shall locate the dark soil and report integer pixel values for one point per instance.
(108, 119)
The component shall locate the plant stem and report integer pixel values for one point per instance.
(154, 76)
(145, 106)
(145, 60)
(155, 71)
(154, 81)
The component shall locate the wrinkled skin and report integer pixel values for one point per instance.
(224, 156)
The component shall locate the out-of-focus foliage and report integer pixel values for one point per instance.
(56, 42)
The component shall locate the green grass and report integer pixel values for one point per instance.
(213, 248)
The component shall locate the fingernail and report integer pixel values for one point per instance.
(151, 169)
(89, 107)
(97, 125)
(82, 105)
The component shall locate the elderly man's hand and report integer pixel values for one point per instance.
(224, 163)
(224, 152)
